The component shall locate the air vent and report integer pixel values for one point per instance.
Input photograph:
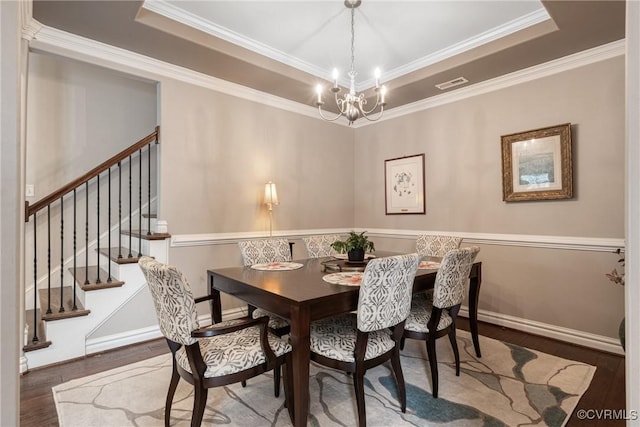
(452, 83)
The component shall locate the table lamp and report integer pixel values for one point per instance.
(270, 199)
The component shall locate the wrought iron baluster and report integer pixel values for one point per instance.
(61, 309)
(119, 210)
(130, 255)
(75, 282)
(86, 234)
(109, 231)
(98, 229)
(35, 338)
(49, 259)
(149, 190)
(140, 202)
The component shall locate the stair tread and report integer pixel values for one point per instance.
(67, 304)
(149, 215)
(144, 234)
(115, 251)
(87, 278)
(42, 339)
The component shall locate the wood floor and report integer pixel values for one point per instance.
(607, 390)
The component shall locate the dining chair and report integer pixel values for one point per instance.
(221, 354)
(436, 245)
(432, 319)
(261, 251)
(355, 342)
(320, 246)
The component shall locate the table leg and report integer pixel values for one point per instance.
(300, 320)
(474, 294)
(216, 307)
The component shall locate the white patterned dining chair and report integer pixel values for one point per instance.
(262, 251)
(355, 342)
(432, 319)
(221, 354)
(320, 246)
(436, 245)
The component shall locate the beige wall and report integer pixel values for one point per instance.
(218, 152)
(463, 175)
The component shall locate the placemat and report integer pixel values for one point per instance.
(428, 265)
(277, 266)
(347, 278)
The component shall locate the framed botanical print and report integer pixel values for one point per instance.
(404, 185)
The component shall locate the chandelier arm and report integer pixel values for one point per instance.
(326, 118)
(363, 102)
(365, 115)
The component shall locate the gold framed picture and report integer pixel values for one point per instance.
(537, 164)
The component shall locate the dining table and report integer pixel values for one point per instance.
(301, 295)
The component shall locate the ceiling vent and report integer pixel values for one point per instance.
(452, 83)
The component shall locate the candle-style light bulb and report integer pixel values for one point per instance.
(319, 92)
(334, 74)
(376, 73)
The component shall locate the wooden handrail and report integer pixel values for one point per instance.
(30, 210)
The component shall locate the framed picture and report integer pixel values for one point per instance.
(404, 185)
(537, 165)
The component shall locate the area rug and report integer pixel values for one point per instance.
(509, 386)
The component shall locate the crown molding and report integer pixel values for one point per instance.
(499, 32)
(59, 42)
(577, 60)
(52, 40)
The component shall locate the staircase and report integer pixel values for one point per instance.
(93, 278)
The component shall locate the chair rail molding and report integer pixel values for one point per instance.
(596, 244)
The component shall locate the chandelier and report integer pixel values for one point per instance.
(353, 106)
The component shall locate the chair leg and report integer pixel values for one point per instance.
(244, 383)
(433, 363)
(454, 347)
(199, 403)
(397, 370)
(276, 381)
(358, 384)
(175, 378)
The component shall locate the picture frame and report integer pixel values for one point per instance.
(537, 164)
(404, 185)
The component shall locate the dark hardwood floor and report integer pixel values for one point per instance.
(607, 390)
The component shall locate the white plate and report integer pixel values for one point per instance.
(344, 278)
(277, 266)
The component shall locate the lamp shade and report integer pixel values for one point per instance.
(270, 194)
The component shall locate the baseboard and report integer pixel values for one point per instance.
(597, 342)
(97, 345)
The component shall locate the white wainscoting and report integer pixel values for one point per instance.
(597, 244)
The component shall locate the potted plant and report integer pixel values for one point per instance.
(618, 278)
(355, 246)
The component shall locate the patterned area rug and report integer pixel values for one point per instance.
(509, 386)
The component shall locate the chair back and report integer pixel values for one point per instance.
(173, 300)
(436, 245)
(385, 291)
(320, 246)
(452, 277)
(264, 250)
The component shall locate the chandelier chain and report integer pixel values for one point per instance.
(353, 40)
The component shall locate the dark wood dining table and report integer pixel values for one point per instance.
(302, 296)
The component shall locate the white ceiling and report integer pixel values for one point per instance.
(314, 36)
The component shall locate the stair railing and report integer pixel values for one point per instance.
(70, 190)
